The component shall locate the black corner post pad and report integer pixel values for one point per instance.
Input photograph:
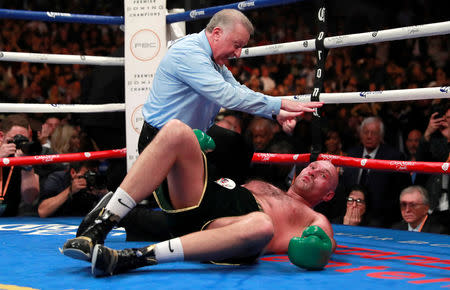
(321, 56)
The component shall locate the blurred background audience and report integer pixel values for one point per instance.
(395, 130)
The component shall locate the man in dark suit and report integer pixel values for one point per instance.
(434, 146)
(414, 206)
(383, 187)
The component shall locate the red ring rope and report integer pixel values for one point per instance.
(58, 158)
(387, 165)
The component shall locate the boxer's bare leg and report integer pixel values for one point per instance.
(230, 237)
(175, 154)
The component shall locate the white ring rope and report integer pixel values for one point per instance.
(377, 96)
(61, 58)
(408, 32)
(327, 98)
(60, 108)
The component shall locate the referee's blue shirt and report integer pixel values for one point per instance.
(189, 86)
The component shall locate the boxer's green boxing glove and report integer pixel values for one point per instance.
(312, 250)
(206, 142)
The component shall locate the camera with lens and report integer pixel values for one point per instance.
(28, 147)
(95, 180)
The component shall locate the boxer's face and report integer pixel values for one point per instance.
(317, 181)
(228, 42)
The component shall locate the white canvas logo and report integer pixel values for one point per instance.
(445, 166)
(295, 157)
(145, 45)
(5, 161)
(363, 162)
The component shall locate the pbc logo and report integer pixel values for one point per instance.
(246, 51)
(305, 43)
(444, 89)
(374, 34)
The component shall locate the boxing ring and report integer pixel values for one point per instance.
(366, 258)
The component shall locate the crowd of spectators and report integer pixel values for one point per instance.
(414, 63)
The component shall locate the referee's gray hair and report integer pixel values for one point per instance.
(413, 188)
(227, 18)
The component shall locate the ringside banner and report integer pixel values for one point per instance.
(145, 46)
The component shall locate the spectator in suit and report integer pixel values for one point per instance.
(411, 144)
(414, 206)
(383, 187)
(434, 147)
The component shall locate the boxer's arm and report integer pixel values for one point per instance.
(313, 249)
(322, 222)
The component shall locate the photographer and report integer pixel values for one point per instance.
(72, 193)
(19, 186)
(434, 146)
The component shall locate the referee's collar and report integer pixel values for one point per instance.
(205, 43)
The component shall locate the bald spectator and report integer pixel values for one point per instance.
(261, 133)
